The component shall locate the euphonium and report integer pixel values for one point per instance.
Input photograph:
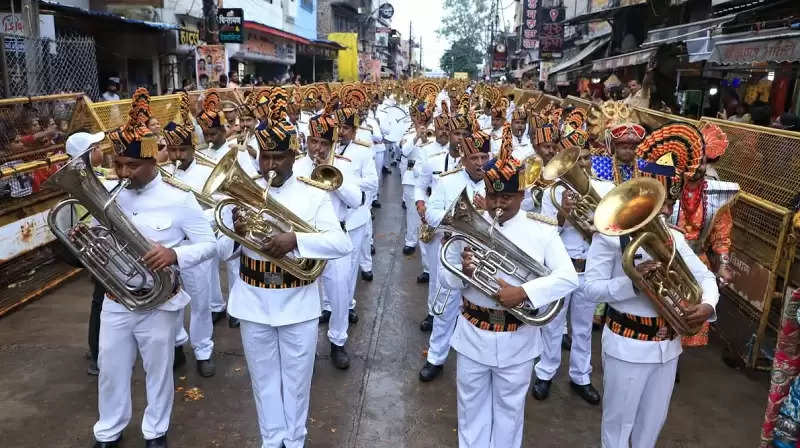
(634, 208)
(325, 176)
(113, 248)
(493, 254)
(254, 203)
(564, 170)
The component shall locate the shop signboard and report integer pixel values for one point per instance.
(231, 25)
(188, 35)
(550, 32)
(211, 61)
(530, 38)
(599, 5)
(268, 48)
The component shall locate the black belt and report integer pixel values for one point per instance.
(175, 290)
(638, 327)
(341, 223)
(263, 274)
(579, 264)
(489, 319)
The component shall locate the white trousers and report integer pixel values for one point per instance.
(335, 298)
(635, 401)
(423, 254)
(443, 327)
(281, 362)
(358, 237)
(491, 403)
(581, 312)
(196, 282)
(152, 333)
(216, 300)
(432, 255)
(412, 217)
(366, 250)
(379, 164)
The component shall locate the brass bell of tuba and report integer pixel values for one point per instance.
(493, 254)
(564, 170)
(113, 248)
(263, 215)
(634, 208)
(325, 176)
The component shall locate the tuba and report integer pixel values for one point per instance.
(325, 176)
(494, 254)
(112, 249)
(634, 208)
(564, 170)
(254, 203)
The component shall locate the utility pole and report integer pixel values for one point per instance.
(211, 23)
(410, 47)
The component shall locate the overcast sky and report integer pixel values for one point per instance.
(425, 17)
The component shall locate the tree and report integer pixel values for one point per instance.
(465, 20)
(462, 56)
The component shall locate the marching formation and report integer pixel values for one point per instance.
(534, 223)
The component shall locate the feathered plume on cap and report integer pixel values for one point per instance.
(461, 119)
(354, 96)
(669, 153)
(295, 101)
(503, 172)
(716, 141)
(181, 134)
(277, 104)
(211, 116)
(442, 121)
(542, 128)
(347, 116)
(575, 118)
(134, 139)
(499, 108)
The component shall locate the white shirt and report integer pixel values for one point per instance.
(110, 96)
(606, 281)
(363, 169)
(195, 175)
(539, 241)
(496, 140)
(446, 192)
(375, 130)
(437, 161)
(276, 307)
(216, 154)
(411, 154)
(394, 121)
(168, 216)
(485, 121)
(521, 147)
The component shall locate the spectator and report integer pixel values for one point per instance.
(760, 114)
(787, 121)
(223, 80)
(112, 89)
(233, 80)
(638, 95)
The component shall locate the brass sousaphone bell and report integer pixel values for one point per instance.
(564, 170)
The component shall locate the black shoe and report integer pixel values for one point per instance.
(93, 369)
(393, 164)
(339, 357)
(180, 357)
(423, 278)
(566, 342)
(372, 249)
(206, 368)
(385, 170)
(587, 392)
(427, 323)
(541, 389)
(160, 442)
(216, 316)
(352, 316)
(429, 372)
(112, 444)
(233, 322)
(366, 276)
(376, 204)
(404, 205)
(408, 250)
(326, 317)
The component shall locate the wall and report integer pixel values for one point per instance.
(259, 11)
(348, 58)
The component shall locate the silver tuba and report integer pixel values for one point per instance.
(113, 248)
(493, 254)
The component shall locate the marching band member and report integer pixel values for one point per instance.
(640, 351)
(378, 147)
(212, 120)
(367, 179)
(522, 147)
(485, 117)
(475, 148)
(421, 114)
(336, 302)
(167, 216)
(371, 134)
(498, 114)
(395, 122)
(279, 313)
(442, 157)
(201, 281)
(495, 349)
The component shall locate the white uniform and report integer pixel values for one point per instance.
(167, 216)
(638, 376)
(279, 325)
(443, 197)
(579, 307)
(216, 154)
(334, 278)
(521, 147)
(494, 367)
(485, 122)
(201, 281)
(411, 154)
(437, 162)
(378, 150)
(358, 220)
(496, 141)
(395, 121)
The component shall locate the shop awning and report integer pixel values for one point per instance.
(680, 33)
(583, 54)
(517, 74)
(253, 26)
(783, 46)
(603, 13)
(623, 60)
(104, 15)
(329, 43)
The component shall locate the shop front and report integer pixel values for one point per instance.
(315, 60)
(266, 53)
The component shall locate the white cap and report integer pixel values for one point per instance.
(79, 142)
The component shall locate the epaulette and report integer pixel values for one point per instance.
(342, 157)
(366, 127)
(437, 154)
(542, 218)
(454, 170)
(176, 183)
(362, 143)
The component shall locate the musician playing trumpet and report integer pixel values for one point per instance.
(495, 349)
(640, 350)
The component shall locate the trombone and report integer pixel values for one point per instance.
(325, 176)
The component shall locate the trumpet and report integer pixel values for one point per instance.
(634, 208)
(254, 203)
(325, 176)
(563, 169)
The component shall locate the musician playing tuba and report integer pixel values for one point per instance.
(640, 350)
(495, 349)
(279, 312)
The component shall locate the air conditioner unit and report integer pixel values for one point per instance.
(289, 9)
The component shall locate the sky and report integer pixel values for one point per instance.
(425, 17)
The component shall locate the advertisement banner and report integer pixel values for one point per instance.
(348, 57)
(231, 25)
(530, 38)
(550, 32)
(211, 61)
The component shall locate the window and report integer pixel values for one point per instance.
(307, 4)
